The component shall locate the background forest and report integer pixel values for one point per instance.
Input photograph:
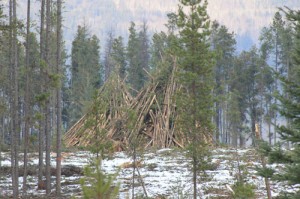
(222, 92)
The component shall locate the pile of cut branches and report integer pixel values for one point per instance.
(150, 116)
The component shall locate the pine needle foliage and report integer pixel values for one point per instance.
(289, 108)
(195, 75)
(98, 185)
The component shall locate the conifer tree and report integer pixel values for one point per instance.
(276, 44)
(42, 96)
(119, 56)
(158, 49)
(290, 109)
(14, 97)
(108, 62)
(144, 52)
(245, 85)
(135, 72)
(223, 43)
(58, 98)
(194, 100)
(85, 72)
(27, 100)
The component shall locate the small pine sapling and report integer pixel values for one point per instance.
(98, 185)
(241, 189)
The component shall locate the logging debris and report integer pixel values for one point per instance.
(148, 118)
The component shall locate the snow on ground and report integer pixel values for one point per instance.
(165, 173)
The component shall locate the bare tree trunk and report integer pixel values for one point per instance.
(276, 88)
(47, 108)
(133, 173)
(41, 154)
(48, 146)
(263, 162)
(218, 123)
(27, 102)
(15, 103)
(234, 140)
(42, 123)
(194, 156)
(2, 139)
(195, 176)
(242, 141)
(58, 101)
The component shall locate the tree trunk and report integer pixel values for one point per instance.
(47, 108)
(27, 102)
(234, 139)
(194, 142)
(133, 172)
(242, 140)
(48, 146)
(218, 126)
(263, 162)
(276, 87)
(1, 140)
(41, 154)
(195, 178)
(42, 123)
(58, 101)
(15, 103)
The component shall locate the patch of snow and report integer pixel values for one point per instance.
(164, 172)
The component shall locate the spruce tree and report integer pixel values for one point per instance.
(108, 62)
(245, 88)
(223, 43)
(290, 109)
(135, 72)
(27, 100)
(15, 131)
(119, 56)
(143, 50)
(58, 98)
(195, 73)
(276, 44)
(85, 72)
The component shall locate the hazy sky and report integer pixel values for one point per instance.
(244, 17)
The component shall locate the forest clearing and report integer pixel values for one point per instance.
(165, 173)
(178, 112)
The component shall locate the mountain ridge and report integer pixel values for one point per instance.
(244, 18)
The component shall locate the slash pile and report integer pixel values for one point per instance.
(148, 118)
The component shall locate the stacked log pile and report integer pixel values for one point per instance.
(154, 121)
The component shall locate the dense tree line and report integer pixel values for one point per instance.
(243, 84)
(31, 73)
(224, 92)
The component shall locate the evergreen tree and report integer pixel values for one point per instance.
(58, 97)
(2, 17)
(237, 103)
(194, 100)
(119, 56)
(27, 100)
(85, 71)
(4, 77)
(144, 52)
(15, 131)
(108, 62)
(245, 85)
(223, 43)
(290, 109)
(265, 49)
(134, 71)
(158, 50)
(162, 59)
(276, 44)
